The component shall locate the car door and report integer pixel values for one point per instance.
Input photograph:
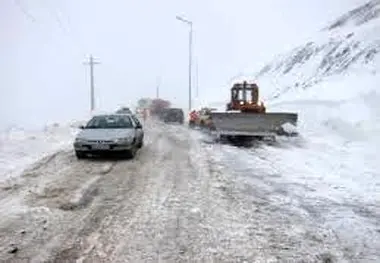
(139, 130)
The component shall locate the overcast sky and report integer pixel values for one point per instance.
(44, 43)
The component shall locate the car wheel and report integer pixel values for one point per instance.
(130, 154)
(80, 155)
(141, 144)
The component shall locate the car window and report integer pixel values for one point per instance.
(175, 111)
(110, 122)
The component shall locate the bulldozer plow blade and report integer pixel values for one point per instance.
(252, 124)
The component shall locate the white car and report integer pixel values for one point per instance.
(110, 133)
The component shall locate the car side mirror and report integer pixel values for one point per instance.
(139, 126)
(81, 127)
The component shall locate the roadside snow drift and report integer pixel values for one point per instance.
(20, 148)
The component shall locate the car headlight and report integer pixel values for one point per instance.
(80, 140)
(124, 140)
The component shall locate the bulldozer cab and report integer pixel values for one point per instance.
(244, 97)
(245, 93)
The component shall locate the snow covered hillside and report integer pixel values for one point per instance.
(333, 84)
(331, 81)
(349, 47)
(20, 148)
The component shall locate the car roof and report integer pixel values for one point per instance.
(113, 114)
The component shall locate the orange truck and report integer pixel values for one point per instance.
(202, 118)
(193, 116)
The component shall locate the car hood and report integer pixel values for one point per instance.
(105, 134)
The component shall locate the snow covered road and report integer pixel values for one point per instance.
(180, 200)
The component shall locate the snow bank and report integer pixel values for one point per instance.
(20, 148)
(337, 168)
(332, 82)
(339, 119)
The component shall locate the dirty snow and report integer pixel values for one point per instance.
(314, 198)
(180, 200)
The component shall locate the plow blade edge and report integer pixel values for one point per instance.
(252, 124)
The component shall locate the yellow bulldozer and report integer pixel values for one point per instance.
(247, 118)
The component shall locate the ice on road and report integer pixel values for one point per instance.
(180, 200)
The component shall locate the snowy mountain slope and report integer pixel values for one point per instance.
(358, 16)
(332, 81)
(351, 48)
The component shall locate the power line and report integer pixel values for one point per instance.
(23, 10)
(57, 14)
(29, 16)
(65, 29)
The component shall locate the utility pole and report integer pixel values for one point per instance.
(196, 79)
(190, 24)
(158, 88)
(91, 63)
(190, 61)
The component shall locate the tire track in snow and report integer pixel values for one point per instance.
(119, 198)
(171, 213)
(179, 201)
(46, 190)
(152, 193)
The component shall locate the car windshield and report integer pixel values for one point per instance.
(110, 122)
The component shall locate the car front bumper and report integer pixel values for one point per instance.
(107, 147)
